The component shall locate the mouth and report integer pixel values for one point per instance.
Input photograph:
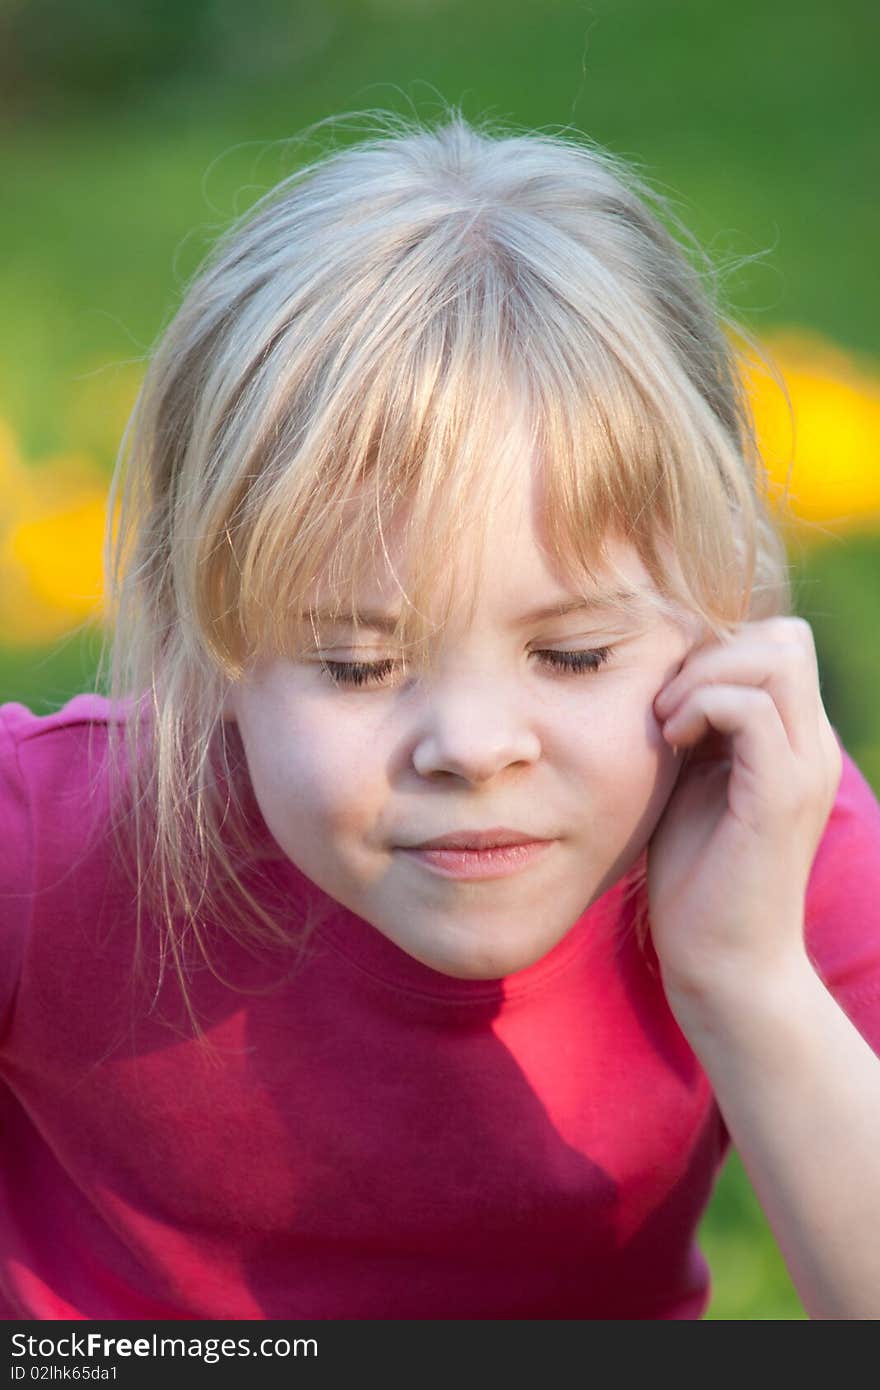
(492, 861)
(498, 837)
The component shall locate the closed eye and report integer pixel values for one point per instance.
(361, 673)
(576, 661)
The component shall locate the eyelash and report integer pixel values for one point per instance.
(361, 673)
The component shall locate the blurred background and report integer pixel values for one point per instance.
(131, 133)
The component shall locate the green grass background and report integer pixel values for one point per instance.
(130, 135)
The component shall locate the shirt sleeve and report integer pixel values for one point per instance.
(16, 858)
(842, 924)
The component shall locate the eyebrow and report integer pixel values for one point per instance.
(627, 601)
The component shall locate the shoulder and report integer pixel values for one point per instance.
(50, 786)
(843, 900)
(50, 763)
(51, 760)
(19, 725)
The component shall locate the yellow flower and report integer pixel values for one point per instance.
(832, 444)
(50, 548)
(53, 515)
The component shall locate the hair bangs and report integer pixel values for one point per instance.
(395, 469)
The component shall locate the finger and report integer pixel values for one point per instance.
(777, 656)
(758, 741)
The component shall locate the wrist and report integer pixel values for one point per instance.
(741, 1003)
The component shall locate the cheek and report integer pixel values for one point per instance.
(616, 727)
(317, 774)
(617, 746)
(636, 790)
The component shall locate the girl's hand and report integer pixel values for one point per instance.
(729, 861)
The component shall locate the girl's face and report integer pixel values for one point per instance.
(500, 733)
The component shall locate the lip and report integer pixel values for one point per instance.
(497, 862)
(498, 835)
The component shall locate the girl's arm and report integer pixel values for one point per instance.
(728, 869)
(799, 1089)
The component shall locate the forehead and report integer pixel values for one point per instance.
(497, 559)
(469, 555)
(513, 577)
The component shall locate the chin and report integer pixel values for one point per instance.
(477, 965)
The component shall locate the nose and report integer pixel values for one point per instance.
(473, 729)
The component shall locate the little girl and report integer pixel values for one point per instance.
(463, 856)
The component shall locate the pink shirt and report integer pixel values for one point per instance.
(376, 1140)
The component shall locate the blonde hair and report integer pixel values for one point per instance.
(346, 349)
